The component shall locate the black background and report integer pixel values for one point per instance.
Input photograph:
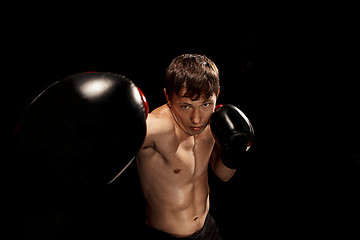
(283, 74)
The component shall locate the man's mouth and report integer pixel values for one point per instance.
(196, 128)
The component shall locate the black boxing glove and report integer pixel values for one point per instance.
(233, 132)
(77, 129)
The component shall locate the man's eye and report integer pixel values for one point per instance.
(185, 106)
(206, 104)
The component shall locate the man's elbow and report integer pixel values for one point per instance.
(225, 177)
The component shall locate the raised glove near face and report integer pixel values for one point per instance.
(233, 132)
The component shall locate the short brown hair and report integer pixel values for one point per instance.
(197, 73)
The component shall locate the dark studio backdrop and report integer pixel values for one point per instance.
(293, 177)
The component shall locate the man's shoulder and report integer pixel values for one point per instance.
(161, 112)
(160, 120)
(159, 126)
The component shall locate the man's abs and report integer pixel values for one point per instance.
(177, 201)
(180, 212)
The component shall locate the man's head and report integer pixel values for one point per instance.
(191, 89)
(197, 73)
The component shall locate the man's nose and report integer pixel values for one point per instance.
(195, 117)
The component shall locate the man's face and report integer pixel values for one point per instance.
(192, 116)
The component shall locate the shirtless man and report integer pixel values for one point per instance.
(179, 145)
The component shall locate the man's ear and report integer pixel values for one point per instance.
(167, 97)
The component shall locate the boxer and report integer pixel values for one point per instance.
(180, 144)
(76, 131)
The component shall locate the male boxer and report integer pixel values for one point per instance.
(179, 145)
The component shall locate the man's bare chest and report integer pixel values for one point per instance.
(187, 157)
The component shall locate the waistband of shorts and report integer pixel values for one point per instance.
(192, 236)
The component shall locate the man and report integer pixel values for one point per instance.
(179, 145)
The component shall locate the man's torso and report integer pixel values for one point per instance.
(173, 173)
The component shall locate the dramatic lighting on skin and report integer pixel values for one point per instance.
(182, 125)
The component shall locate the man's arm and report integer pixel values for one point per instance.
(221, 171)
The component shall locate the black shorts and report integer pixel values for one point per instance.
(209, 231)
